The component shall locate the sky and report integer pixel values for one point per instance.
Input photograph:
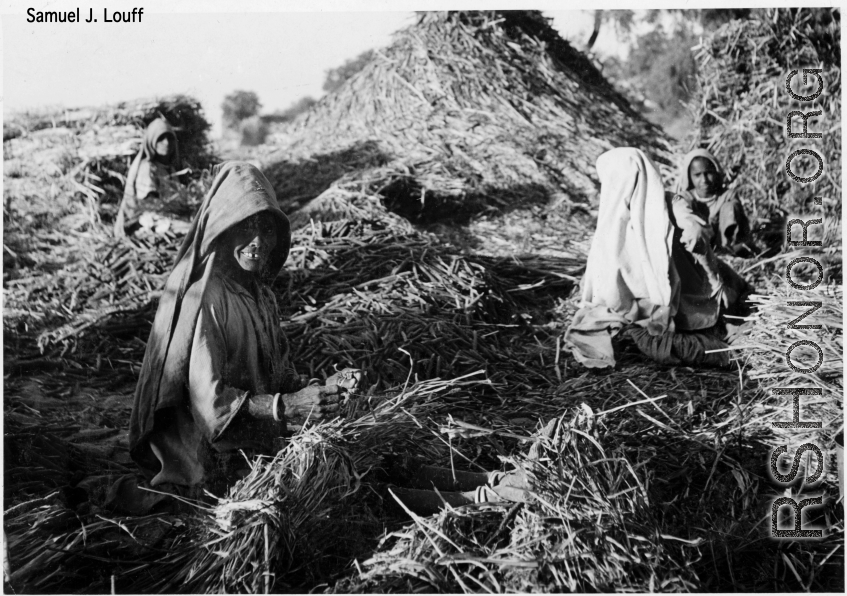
(279, 50)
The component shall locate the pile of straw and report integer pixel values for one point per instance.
(101, 128)
(765, 345)
(489, 107)
(588, 526)
(362, 288)
(54, 550)
(277, 528)
(289, 513)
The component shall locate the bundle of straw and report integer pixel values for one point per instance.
(766, 343)
(281, 526)
(588, 526)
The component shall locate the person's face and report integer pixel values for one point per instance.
(163, 146)
(250, 242)
(704, 176)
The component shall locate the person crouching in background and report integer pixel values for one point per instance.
(702, 180)
(157, 159)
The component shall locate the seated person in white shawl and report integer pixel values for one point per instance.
(651, 271)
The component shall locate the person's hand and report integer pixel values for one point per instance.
(320, 402)
(692, 237)
(728, 297)
(346, 379)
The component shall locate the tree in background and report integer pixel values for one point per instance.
(291, 112)
(335, 77)
(660, 70)
(238, 106)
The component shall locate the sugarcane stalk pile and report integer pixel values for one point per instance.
(587, 526)
(108, 130)
(472, 109)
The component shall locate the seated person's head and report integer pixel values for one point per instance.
(165, 145)
(703, 177)
(246, 247)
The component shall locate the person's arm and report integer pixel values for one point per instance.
(128, 209)
(696, 236)
(291, 381)
(696, 233)
(215, 404)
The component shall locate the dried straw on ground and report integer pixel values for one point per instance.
(765, 346)
(281, 522)
(588, 526)
(354, 291)
(367, 288)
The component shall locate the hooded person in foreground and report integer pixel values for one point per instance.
(652, 272)
(157, 159)
(702, 181)
(217, 376)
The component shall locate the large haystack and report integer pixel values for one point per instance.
(475, 106)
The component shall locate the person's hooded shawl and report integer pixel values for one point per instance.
(725, 214)
(684, 183)
(238, 191)
(636, 272)
(145, 159)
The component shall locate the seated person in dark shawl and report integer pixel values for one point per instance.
(702, 181)
(651, 271)
(217, 377)
(157, 160)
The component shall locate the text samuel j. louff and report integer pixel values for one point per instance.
(72, 16)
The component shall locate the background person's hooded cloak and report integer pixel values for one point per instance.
(146, 170)
(725, 214)
(187, 393)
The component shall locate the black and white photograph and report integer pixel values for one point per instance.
(422, 297)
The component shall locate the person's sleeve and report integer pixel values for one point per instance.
(128, 209)
(214, 404)
(291, 381)
(696, 236)
(733, 222)
(696, 231)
